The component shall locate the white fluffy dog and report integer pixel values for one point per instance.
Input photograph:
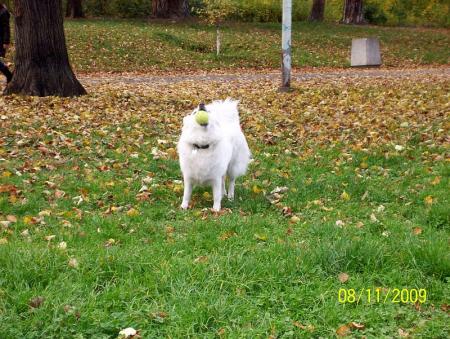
(213, 150)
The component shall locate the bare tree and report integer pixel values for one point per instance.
(353, 12)
(317, 10)
(41, 62)
(170, 8)
(74, 9)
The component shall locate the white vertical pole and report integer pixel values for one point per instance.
(286, 45)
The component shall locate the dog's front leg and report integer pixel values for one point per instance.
(231, 188)
(187, 193)
(224, 190)
(217, 193)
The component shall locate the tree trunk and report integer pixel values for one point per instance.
(353, 12)
(74, 9)
(317, 10)
(41, 63)
(170, 8)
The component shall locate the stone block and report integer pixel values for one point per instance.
(366, 52)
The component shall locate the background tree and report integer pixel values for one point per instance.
(317, 10)
(215, 12)
(170, 8)
(74, 9)
(41, 62)
(353, 12)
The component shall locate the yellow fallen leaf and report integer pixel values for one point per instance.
(227, 235)
(428, 200)
(436, 181)
(345, 196)
(256, 189)
(294, 219)
(28, 220)
(6, 174)
(3, 241)
(261, 237)
(132, 212)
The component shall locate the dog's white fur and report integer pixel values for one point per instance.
(227, 155)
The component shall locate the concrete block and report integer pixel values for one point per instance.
(366, 52)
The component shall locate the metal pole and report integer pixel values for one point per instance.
(286, 45)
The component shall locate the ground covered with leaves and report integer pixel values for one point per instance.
(348, 190)
(140, 46)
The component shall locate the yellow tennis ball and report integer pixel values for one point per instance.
(202, 118)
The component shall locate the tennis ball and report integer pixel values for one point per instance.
(202, 118)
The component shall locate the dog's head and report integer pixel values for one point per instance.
(204, 133)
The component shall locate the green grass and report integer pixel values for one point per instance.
(250, 272)
(138, 46)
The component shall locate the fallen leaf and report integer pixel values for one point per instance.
(343, 331)
(345, 196)
(36, 302)
(11, 218)
(340, 223)
(132, 212)
(110, 242)
(373, 218)
(59, 194)
(294, 219)
(261, 237)
(417, 230)
(436, 181)
(343, 277)
(357, 326)
(256, 189)
(128, 332)
(227, 235)
(73, 263)
(402, 333)
(201, 259)
(428, 200)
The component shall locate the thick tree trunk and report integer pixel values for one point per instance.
(170, 8)
(41, 63)
(317, 10)
(353, 12)
(74, 9)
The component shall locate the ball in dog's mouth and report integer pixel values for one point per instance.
(202, 118)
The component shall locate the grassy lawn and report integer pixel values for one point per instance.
(138, 46)
(92, 240)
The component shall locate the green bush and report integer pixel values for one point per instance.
(133, 8)
(374, 14)
(384, 12)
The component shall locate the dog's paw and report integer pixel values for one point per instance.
(216, 209)
(184, 206)
(230, 197)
